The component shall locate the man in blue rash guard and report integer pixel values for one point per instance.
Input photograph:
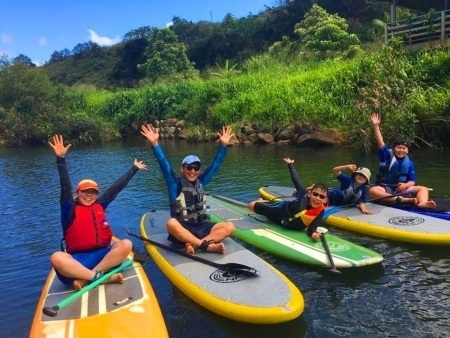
(189, 222)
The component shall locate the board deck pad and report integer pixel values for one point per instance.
(290, 244)
(236, 295)
(104, 298)
(385, 222)
(129, 309)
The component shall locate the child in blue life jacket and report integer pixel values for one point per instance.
(87, 233)
(189, 224)
(397, 173)
(305, 212)
(354, 188)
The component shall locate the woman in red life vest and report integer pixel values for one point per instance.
(87, 233)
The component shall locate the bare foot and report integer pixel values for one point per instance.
(79, 283)
(189, 248)
(216, 247)
(116, 278)
(427, 205)
(409, 200)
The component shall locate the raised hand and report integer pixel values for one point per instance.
(150, 133)
(352, 167)
(288, 160)
(140, 164)
(225, 135)
(375, 118)
(58, 146)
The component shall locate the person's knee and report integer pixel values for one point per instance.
(126, 245)
(229, 226)
(57, 259)
(251, 205)
(172, 225)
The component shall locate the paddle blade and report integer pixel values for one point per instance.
(239, 268)
(51, 311)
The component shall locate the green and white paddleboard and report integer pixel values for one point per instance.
(294, 245)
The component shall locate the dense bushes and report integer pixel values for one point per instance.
(410, 91)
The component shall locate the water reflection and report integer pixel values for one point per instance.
(408, 295)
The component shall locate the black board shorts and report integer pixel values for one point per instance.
(271, 210)
(198, 229)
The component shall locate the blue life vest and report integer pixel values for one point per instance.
(393, 173)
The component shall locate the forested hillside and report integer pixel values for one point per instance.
(208, 44)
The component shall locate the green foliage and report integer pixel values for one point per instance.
(225, 71)
(325, 35)
(166, 57)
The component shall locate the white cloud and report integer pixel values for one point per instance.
(42, 41)
(169, 24)
(6, 38)
(103, 40)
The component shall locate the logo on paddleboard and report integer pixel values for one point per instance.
(406, 220)
(334, 246)
(227, 276)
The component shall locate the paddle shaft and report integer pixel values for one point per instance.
(330, 258)
(53, 311)
(233, 266)
(373, 200)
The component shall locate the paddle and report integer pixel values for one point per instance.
(231, 267)
(53, 311)
(331, 210)
(333, 269)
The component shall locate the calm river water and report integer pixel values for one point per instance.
(407, 295)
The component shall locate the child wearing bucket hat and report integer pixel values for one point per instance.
(397, 174)
(353, 189)
(88, 251)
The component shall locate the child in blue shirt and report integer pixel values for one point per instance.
(353, 189)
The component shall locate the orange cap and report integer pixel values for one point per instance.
(87, 184)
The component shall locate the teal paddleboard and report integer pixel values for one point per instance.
(294, 245)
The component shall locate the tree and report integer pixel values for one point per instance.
(325, 35)
(139, 33)
(23, 59)
(166, 57)
(61, 55)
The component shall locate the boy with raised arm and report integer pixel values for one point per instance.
(354, 188)
(397, 173)
(305, 212)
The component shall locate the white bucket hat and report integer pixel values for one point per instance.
(363, 171)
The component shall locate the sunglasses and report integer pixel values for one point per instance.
(316, 194)
(192, 167)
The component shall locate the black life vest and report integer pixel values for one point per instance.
(190, 204)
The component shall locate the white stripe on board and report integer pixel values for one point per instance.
(84, 305)
(302, 247)
(101, 299)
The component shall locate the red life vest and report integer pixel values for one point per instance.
(89, 229)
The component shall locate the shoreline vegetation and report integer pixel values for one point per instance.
(287, 95)
(411, 92)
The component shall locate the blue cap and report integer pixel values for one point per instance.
(190, 159)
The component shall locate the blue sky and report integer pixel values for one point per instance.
(38, 28)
